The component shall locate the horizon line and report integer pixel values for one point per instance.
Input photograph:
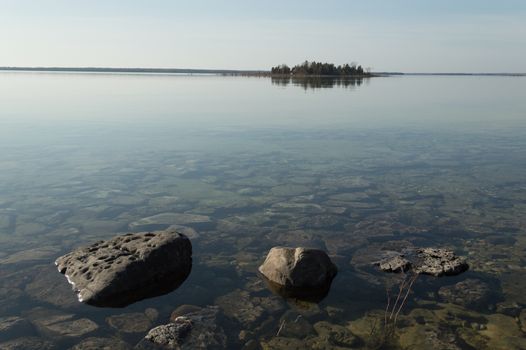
(214, 71)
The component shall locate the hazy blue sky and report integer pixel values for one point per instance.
(387, 35)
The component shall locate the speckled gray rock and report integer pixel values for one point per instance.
(197, 329)
(428, 261)
(396, 263)
(128, 268)
(438, 262)
(298, 267)
(170, 335)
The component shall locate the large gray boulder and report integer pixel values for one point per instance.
(128, 268)
(292, 271)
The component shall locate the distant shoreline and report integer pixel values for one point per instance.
(230, 72)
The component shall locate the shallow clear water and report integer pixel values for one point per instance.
(349, 168)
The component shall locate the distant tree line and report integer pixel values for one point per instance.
(320, 69)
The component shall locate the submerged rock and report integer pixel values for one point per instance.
(294, 325)
(168, 219)
(335, 334)
(94, 343)
(13, 327)
(298, 267)
(128, 268)
(277, 343)
(425, 337)
(56, 324)
(31, 255)
(509, 308)
(471, 293)
(27, 343)
(238, 305)
(504, 333)
(134, 322)
(197, 329)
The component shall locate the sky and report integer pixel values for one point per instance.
(385, 35)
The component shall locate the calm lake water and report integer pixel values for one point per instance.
(352, 168)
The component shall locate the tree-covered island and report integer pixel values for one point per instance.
(321, 69)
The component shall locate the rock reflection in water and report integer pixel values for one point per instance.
(312, 295)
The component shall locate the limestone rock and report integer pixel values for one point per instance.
(438, 262)
(197, 329)
(128, 268)
(298, 267)
(395, 264)
(429, 261)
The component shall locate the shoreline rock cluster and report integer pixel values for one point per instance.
(134, 266)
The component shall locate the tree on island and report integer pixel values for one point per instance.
(320, 69)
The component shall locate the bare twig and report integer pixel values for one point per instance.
(413, 279)
(402, 285)
(280, 328)
(387, 307)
